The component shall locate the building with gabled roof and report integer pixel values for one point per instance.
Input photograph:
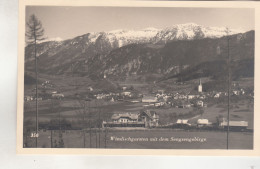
(150, 118)
(234, 125)
(200, 87)
(124, 117)
(145, 118)
(149, 99)
(203, 122)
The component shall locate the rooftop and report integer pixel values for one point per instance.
(132, 116)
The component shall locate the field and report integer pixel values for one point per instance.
(239, 112)
(147, 139)
(72, 110)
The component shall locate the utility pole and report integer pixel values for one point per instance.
(96, 138)
(90, 135)
(51, 139)
(90, 129)
(36, 99)
(229, 80)
(84, 139)
(59, 130)
(99, 127)
(105, 137)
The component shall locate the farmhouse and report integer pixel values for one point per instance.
(182, 123)
(203, 122)
(143, 119)
(150, 118)
(124, 118)
(235, 125)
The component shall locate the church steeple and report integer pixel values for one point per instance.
(200, 87)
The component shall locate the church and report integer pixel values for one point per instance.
(200, 87)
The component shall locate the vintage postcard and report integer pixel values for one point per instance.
(152, 78)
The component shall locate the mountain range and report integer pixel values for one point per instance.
(124, 52)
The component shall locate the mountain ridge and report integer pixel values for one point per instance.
(101, 57)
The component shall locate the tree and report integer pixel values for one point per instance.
(34, 34)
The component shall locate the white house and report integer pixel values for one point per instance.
(57, 95)
(217, 95)
(126, 93)
(203, 122)
(149, 99)
(200, 103)
(182, 121)
(234, 125)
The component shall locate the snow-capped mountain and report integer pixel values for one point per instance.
(103, 51)
(192, 31)
(119, 38)
(152, 35)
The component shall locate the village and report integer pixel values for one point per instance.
(148, 117)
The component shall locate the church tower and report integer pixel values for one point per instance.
(200, 87)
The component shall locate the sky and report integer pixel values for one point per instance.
(69, 22)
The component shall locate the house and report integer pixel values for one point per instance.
(236, 92)
(100, 96)
(149, 99)
(176, 96)
(112, 99)
(203, 122)
(193, 95)
(126, 93)
(182, 123)
(57, 95)
(188, 105)
(242, 91)
(183, 96)
(202, 97)
(166, 98)
(161, 91)
(234, 125)
(217, 95)
(39, 98)
(200, 103)
(145, 118)
(28, 98)
(150, 118)
(124, 117)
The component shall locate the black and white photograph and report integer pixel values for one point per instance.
(112, 77)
